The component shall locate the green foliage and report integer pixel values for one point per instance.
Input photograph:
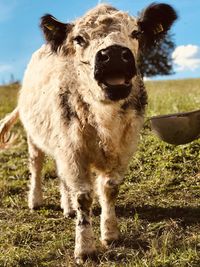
(157, 60)
(158, 205)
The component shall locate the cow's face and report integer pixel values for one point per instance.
(106, 52)
(105, 44)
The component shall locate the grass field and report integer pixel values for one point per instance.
(158, 206)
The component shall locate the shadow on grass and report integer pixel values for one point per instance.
(53, 207)
(187, 215)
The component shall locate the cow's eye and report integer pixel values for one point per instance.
(136, 34)
(79, 40)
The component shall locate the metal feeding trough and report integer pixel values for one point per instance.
(178, 128)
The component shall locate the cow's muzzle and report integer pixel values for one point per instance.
(114, 70)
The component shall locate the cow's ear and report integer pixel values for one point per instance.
(155, 21)
(55, 32)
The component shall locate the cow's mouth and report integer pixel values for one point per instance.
(116, 87)
(114, 69)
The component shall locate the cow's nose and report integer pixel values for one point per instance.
(114, 60)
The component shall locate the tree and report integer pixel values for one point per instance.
(157, 60)
(13, 80)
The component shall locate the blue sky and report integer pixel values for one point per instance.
(20, 35)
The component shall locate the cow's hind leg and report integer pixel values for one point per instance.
(108, 191)
(36, 158)
(66, 200)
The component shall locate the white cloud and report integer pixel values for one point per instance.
(146, 79)
(186, 57)
(5, 68)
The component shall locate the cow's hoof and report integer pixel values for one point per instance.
(35, 204)
(70, 214)
(82, 258)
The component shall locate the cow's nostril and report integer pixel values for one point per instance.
(103, 56)
(126, 56)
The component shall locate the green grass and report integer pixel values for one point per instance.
(158, 205)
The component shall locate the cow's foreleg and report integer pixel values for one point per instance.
(108, 191)
(85, 245)
(36, 157)
(78, 180)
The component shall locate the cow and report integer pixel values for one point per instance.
(82, 101)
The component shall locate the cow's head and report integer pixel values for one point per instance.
(105, 44)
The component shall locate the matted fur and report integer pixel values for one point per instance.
(67, 115)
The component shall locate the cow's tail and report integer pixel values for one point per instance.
(7, 138)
